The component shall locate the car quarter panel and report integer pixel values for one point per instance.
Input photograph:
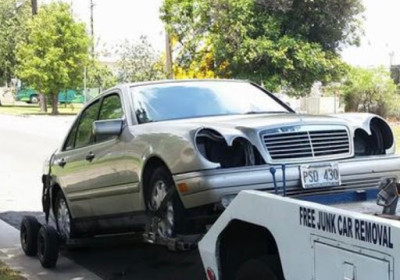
(174, 148)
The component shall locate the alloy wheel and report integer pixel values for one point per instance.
(63, 219)
(165, 226)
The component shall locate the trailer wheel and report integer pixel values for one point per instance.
(48, 246)
(28, 235)
(256, 269)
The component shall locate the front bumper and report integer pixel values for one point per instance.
(211, 186)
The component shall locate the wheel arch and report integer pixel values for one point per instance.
(54, 190)
(151, 164)
(241, 241)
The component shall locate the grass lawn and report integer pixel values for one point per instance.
(31, 109)
(8, 274)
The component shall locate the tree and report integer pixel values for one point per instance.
(13, 22)
(99, 75)
(369, 90)
(330, 23)
(56, 52)
(139, 62)
(283, 44)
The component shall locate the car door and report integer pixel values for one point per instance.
(113, 191)
(72, 165)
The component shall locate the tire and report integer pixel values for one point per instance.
(64, 222)
(48, 246)
(174, 220)
(257, 269)
(28, 235)
(33, 99)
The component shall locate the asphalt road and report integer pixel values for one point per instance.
(25, 142)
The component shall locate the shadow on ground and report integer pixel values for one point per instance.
(14, 218)
(127, 258)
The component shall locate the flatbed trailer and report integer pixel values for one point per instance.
(267, 236)
(45, 242)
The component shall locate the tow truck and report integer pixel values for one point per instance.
(267, 236)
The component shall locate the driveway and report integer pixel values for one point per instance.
(25, 142)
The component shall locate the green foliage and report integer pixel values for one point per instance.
(284, 44)
(13, 30)
(99, 76)
(54, 56)
(139, 62)
(370, 90)
(329, 23)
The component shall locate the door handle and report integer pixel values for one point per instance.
(61, 162)
(90, 156)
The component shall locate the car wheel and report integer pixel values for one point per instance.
(256, 269)
(63, 217)
(33, 99)
(48, 246)
(28, 234)
(171, 219)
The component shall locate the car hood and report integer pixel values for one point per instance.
(265, 120)
(255, 121)
(234, 125)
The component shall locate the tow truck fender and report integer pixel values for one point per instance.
(312, 239)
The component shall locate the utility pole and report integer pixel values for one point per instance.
(84, 85)
(91, 25)
(168, 51)
(391, 58)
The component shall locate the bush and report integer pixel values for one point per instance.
(370, 90)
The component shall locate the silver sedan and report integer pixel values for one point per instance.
(181, 150)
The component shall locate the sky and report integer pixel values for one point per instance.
(117, 20)
(381, 38)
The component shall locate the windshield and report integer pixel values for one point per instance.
(184, 100)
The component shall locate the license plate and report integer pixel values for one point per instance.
(318, 176)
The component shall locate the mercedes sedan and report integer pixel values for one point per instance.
(173, 154)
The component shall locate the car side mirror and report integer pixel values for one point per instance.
(105, 129)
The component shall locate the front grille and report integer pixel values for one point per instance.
(307, 143)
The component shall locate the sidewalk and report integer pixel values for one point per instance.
(12, 254)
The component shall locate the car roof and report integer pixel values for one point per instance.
(182, 81)
(160, 82)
